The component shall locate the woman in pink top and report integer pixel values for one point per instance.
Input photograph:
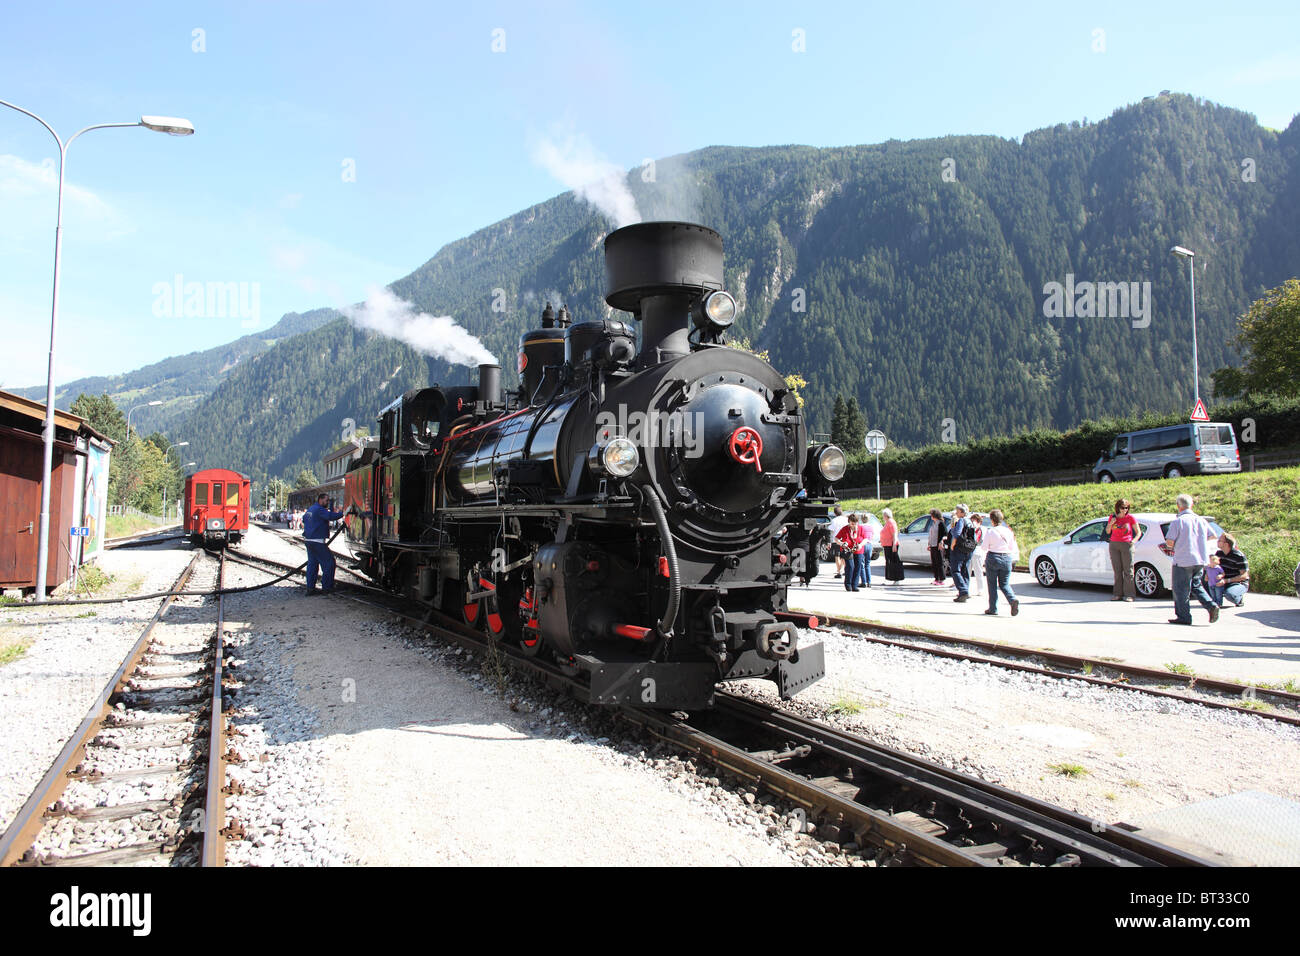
(852, 538)
(889, 543)
(1001, 551)
(1123, 532)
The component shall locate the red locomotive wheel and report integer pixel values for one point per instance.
(471, 612)
(491, 612)
(471, 615)
(530, 640)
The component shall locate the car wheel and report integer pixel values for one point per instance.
(823, 552)
(1105, 478)
(1147, 580)
(1174, 471)
(1045, 572)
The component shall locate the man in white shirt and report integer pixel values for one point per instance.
(1187, 544)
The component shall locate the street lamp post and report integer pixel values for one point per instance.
(1184, 253)
(160, 124)
(133, 408)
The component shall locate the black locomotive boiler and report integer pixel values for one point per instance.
(635, 514)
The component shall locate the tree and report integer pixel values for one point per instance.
(102, 414)
(855, 426)
(794, 382)
(838, 424)
(141, 472)
(1270, 338)
(304, 480)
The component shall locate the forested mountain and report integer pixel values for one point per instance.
(911, 276)
(181, 382)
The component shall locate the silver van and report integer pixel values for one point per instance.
(1200, 448)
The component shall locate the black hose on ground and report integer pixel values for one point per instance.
(162, 594)
(665, 625)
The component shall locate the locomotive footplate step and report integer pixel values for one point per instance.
(653, 684)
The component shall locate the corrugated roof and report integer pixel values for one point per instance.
(36, 411)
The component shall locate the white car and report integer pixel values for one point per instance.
(914, 541)
(1083, 557)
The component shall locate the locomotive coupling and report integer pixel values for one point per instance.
(777, 641)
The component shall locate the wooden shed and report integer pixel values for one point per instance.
(78, 484)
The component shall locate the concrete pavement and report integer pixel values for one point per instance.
(1259, 642)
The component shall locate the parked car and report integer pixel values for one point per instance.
(1083, 557)
(1170, 452)
(914, 541)
(824, 548)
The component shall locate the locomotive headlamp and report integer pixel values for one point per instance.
(717, 309)
(832, 463)
(620, 457)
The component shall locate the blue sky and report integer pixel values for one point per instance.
(441, 130)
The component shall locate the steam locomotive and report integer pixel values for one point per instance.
(636, 515)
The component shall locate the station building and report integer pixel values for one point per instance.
(78, 493)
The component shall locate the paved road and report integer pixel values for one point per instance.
(1261, 641)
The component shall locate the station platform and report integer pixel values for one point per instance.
(1258, 642)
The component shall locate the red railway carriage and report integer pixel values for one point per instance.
(216, 506)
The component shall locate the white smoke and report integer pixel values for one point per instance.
(437, 335)
(572, 160)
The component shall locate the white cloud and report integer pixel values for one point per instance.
(20, 178)
(289, 258)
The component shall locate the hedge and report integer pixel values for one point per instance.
(1276, 426)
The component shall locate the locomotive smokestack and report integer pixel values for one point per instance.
(489, 385)
(657, 271)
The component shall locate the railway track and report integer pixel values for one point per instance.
(142, 780)
(1269, 703)
(144, 538)
(854, 792)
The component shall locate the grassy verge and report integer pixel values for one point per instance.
(12, 648)
(1258, 507)
(119, 526)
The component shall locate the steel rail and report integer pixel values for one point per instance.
(214, 810)
(860, 629)
(27, 825)
(1073, 832)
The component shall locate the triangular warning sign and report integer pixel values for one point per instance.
(1199, 414)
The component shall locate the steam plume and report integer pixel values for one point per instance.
(575, 162)
(437, 335)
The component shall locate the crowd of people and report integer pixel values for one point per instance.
(979, 550)
(291, 519)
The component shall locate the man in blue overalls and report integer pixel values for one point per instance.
(315, 531)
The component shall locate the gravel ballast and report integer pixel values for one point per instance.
(1107, 753)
